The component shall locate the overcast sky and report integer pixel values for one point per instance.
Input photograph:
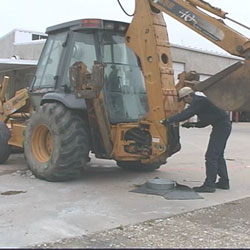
(36, 15)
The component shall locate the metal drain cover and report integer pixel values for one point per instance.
(161, 184)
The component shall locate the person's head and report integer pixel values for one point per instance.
(185, 94)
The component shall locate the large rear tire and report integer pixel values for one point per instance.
(56, 144)
(138, 166)
(5, 149)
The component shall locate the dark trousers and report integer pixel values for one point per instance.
(215, 162)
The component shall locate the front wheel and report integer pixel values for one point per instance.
(56, 144)
(138, 166)
(5, 149)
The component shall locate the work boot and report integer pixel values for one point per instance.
(222, 185)
(204, 189)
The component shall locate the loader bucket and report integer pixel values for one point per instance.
(230, 88)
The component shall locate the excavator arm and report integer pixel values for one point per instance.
(192, 14)
(230, 88)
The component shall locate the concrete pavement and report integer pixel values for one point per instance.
(38, 211)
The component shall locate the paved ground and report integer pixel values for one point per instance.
(34, 212)
(222, 226)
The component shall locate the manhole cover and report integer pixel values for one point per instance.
(161, 184)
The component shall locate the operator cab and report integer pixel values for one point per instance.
(87, 41)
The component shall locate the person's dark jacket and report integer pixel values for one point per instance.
(206, 111)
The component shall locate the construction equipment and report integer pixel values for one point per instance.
(14, 113)
(103, 86)
(230, 88)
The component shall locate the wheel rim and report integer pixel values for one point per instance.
(42, 143)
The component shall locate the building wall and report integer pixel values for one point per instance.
(201, 61)
(19, 43)
(6, 45)
(29, 51)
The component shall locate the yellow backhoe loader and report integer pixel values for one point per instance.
(14, 113)
(102, 86)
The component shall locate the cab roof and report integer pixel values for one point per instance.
(87, 23)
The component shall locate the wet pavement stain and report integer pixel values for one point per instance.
(13, 192)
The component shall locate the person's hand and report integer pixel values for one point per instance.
(188, 125)
(164, 122)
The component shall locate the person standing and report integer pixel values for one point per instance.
(208, 114)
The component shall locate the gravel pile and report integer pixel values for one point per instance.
(222, 226)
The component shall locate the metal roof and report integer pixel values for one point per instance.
(16, 64)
